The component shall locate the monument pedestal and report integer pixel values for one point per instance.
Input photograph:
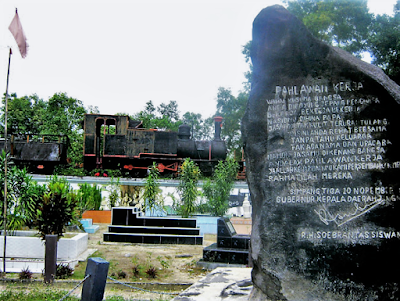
(128, 225)
(230, 247)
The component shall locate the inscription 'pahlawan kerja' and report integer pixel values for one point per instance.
(325, 145)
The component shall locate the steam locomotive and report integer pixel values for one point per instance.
(118, 142)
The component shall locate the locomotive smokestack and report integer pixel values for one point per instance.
(218, 125)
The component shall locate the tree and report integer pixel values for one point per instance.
(24, 116)
(65, 115)
(344, 23)
(246, 52)
(164, 117)
(232, 109)
(200, 129)
(384, 43)
(349, 25)
(169, 111)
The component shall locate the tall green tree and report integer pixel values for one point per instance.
(200, 129)
(349, 25)
(232, 109)
(384, 43)
(344, 23)
(25, 114)
(248, 74)
(65, 115)
(164, 117)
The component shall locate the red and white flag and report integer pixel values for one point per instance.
(19, 36)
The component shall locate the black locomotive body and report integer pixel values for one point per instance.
(113, 142)
(38, 153)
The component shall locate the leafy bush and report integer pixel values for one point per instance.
(152, 189)
(25, 274)
(218, 190)
(63, 271)
(23, 194)
(136, 271)
(121, 275)
(89, 197)
(151, 272)
(57, 208)
(113, 190)
(75, 171)
(188, 178)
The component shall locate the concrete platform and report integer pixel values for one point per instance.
(220, 284)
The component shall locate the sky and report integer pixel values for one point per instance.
(117, 55)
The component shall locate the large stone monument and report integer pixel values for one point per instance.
(322, 143)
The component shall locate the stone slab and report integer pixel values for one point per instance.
(220, 284)
(322, 146)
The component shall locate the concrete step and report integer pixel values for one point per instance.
(213, 253)
(154, 230)
(146, 238)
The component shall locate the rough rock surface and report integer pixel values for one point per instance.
(322, 144)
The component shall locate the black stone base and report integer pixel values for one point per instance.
(213, 253)
(153, 238)
(154, 230)
(129, 225)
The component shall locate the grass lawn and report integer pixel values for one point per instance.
(48, 294)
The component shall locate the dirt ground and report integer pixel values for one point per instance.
(174, 264)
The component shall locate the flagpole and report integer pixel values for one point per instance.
(5, 168)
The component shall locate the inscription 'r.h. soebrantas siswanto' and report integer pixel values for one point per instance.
(322, 143)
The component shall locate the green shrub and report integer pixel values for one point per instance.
(25, 274)
(23, 195)
(136, 271)
(67, 170)
(151, 272)
(152, 191)
(217, 190)
(89, 197)
(113, 190)
(57, 208)
(188, 178)
(63, 271)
